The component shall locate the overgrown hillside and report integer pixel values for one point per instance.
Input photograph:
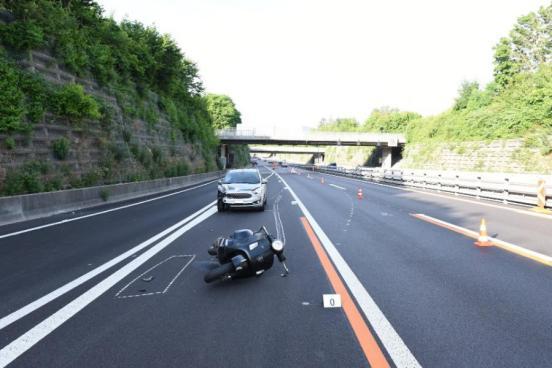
(105, 82)
(516, 104)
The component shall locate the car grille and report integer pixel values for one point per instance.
(238, 195)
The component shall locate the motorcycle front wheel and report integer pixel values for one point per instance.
(218, 272)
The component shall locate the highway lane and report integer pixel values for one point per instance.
(511, 223)
(452, 303)
(268, 321)
(33, 264)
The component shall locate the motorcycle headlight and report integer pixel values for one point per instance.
(277, 245)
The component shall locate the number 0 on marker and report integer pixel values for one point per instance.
(332, 300)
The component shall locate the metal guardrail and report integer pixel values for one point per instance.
(504, 187)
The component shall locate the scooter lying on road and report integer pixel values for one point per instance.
(245, 254)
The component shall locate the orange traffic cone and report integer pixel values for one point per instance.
(322, 180)
(359, 193)
(483, 240)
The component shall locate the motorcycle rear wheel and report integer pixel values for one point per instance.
(218, 272)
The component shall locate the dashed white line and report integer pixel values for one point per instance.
(337, 186)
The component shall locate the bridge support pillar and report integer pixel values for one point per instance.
(386, 157)
(223, 158)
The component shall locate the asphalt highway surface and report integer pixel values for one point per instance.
(122, 285)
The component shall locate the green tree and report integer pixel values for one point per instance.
(223, 111)
(528, 46)
(338, 125)
(389, 120)
(465, 93)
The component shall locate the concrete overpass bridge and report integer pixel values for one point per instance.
(249, 136)
(317, 153)
(386, 141)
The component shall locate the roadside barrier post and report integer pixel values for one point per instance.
(541, 198)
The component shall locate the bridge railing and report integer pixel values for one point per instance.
(503, 187)
(233, 132)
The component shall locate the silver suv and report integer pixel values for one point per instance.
(242, 188)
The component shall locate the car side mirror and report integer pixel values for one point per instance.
(220, 182)
(264, 181)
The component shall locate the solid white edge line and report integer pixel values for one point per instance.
(101, 212)
(31, 307)
(24, 342)
(397, 187)
(393, 343)
(337, 186)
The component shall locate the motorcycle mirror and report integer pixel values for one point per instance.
(277, 245)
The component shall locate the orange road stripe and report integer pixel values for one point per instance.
(367, 342)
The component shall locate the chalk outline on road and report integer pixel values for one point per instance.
(520, 211)
(24, 342)
(192, 257)
(102, 212)
(524, 252)
(390, 339)
(31, 307)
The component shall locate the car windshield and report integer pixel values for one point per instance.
(241, 177)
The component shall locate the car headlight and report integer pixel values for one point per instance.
(257, 191)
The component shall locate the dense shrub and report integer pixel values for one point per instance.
(60, 148)
(27, 179)
(72, 102)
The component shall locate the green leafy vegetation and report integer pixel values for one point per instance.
(27, 179)
(104, 195)
(223, 111)
(128, 58)
(224, 114)
(9, 142)
(143, 69)
(60, 148)
(72, 102)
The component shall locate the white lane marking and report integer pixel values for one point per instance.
(101, 212)
(24, 342)
(31, 307)
(523, 212)
(500, 243)
(395, 346)
(337, 186)
(268, 177)
(192, 257)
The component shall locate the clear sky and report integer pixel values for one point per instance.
(291, 63)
